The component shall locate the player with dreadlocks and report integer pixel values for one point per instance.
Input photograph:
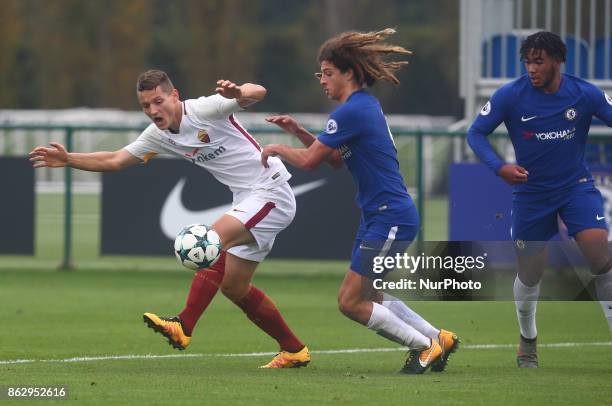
(548, 115)
(357, 133)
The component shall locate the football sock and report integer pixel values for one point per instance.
(603, 288)
(409, 316)
(526, 302)
(204, 286)
(260, 309)
(388, 325)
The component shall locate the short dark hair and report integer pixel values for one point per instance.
(150, 79)
(545, 41)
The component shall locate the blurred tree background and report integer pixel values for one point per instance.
(71, 53)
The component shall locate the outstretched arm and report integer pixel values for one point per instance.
(303, 158)
(245, 94)
(56, 156)
(291, 126)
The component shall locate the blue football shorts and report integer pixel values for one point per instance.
(580, 208)
(380, 236)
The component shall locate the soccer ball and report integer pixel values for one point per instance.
(197, 246)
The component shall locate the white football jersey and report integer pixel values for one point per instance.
(211, 137)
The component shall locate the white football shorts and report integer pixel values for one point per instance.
(265, 213)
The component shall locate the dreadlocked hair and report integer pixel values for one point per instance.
(363, 53)
(544, 41)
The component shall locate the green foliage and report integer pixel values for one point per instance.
(68, 53)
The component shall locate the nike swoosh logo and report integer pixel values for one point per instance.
(523, 118)
(174, 215)
(424, 364)
(600, 218)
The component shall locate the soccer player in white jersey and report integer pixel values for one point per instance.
(206, 132)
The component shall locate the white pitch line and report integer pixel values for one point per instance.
(262, 354)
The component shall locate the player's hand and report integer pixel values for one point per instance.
(54, 157)
(513, 174)
(287, 123)
(268, 151)
(228, 89)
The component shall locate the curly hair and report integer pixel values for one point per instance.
(544, 41)
(363, 52)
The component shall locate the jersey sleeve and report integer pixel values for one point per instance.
(146, 145)
(492, 114)
(212, 108)
(340, 129)
(602, 105)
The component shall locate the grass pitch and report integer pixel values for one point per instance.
(84, 329)
(55, 320)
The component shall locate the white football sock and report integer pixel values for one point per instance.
(409, 316)
(388, 325)
(603, 288)
(526, 302)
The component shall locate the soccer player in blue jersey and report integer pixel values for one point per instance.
(547, 115)
(357, 133)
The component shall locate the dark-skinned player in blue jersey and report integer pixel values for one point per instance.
(548, 115)
(358, 135)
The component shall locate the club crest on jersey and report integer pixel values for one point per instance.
(486, 109)
(608, 99)
(203, 136)
(331, 126)
(570, 114)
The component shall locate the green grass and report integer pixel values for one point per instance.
(96, 311)
(58, 315)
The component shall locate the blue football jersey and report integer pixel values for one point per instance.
(359, 130)
(548, 131)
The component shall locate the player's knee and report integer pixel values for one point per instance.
(233, 292)
(347, 305)
(232, 232)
